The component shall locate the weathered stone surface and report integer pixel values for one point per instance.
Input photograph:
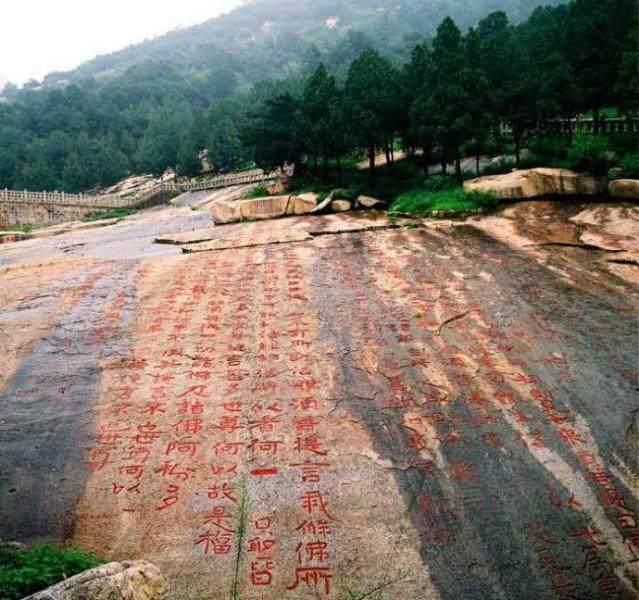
(13, 236)
(535, 183)
(253, 239)
(270, 207)
(311, 197)
(420, 412)
(624, 188)
(265, 208)
(225, 212)
(304, 204)
(188, 237)
(368, 202)
(341, 205)
(136, 580)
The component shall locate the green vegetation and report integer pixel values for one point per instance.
(454, 96)
(630, 166)
(24, 572)
(590, 153)
(259, 191)
(452, 201)
(19, 228)
(111, 213)
(379, 81)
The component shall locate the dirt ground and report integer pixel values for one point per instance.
(339, 407)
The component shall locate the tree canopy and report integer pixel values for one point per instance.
(446, 97)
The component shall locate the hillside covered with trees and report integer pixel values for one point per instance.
(315, 83)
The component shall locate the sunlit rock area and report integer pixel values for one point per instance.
(337, 405)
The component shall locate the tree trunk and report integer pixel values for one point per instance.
(477, 163)
(596, 115)
(325, 166)
(458, 170)
(444, 167)
(388, 154)
(425, 161)
(338, 163)
(569, 131)
(371, 160)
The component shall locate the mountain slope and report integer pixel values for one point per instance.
(266, 38)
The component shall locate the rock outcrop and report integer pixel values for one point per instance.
(137, 580)
(339, 206)
(369, 202)
(536, 183)
(269, 207)
(624, 188)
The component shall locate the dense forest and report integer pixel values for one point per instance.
(316, 100)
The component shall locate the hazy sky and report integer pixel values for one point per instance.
(40, 36)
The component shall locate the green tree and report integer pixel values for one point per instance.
(320, 114)
(372, 99)
(418, 80)
(597, 33)
(451, 93)
(481, 101)
(272, 134)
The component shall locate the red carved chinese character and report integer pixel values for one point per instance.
(217, 541)
(220, 518)
(312, 576)
(316, 502)
(217, 492)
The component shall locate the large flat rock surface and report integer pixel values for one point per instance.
(374, 410)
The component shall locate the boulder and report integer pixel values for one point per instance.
(309, 197)
(137, 580)
(304, 203)
(369, 202)
(624, 188)
(269, 207)
(225, 212)
(340, 206)
(535, 183)
(276, 188)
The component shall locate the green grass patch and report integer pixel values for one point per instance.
(19, 228)
(454, 201)
(112, 213)
(24, 572)
(259, 191)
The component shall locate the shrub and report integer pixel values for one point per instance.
(630, 165)
(624, 143)
(437, 183)
(259, 191)
(350, 193)
(549, 148)
(24, 572)
(590, 153)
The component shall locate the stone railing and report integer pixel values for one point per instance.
(62, 199)
(134, 200)
(586, 126)
(49, 208)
